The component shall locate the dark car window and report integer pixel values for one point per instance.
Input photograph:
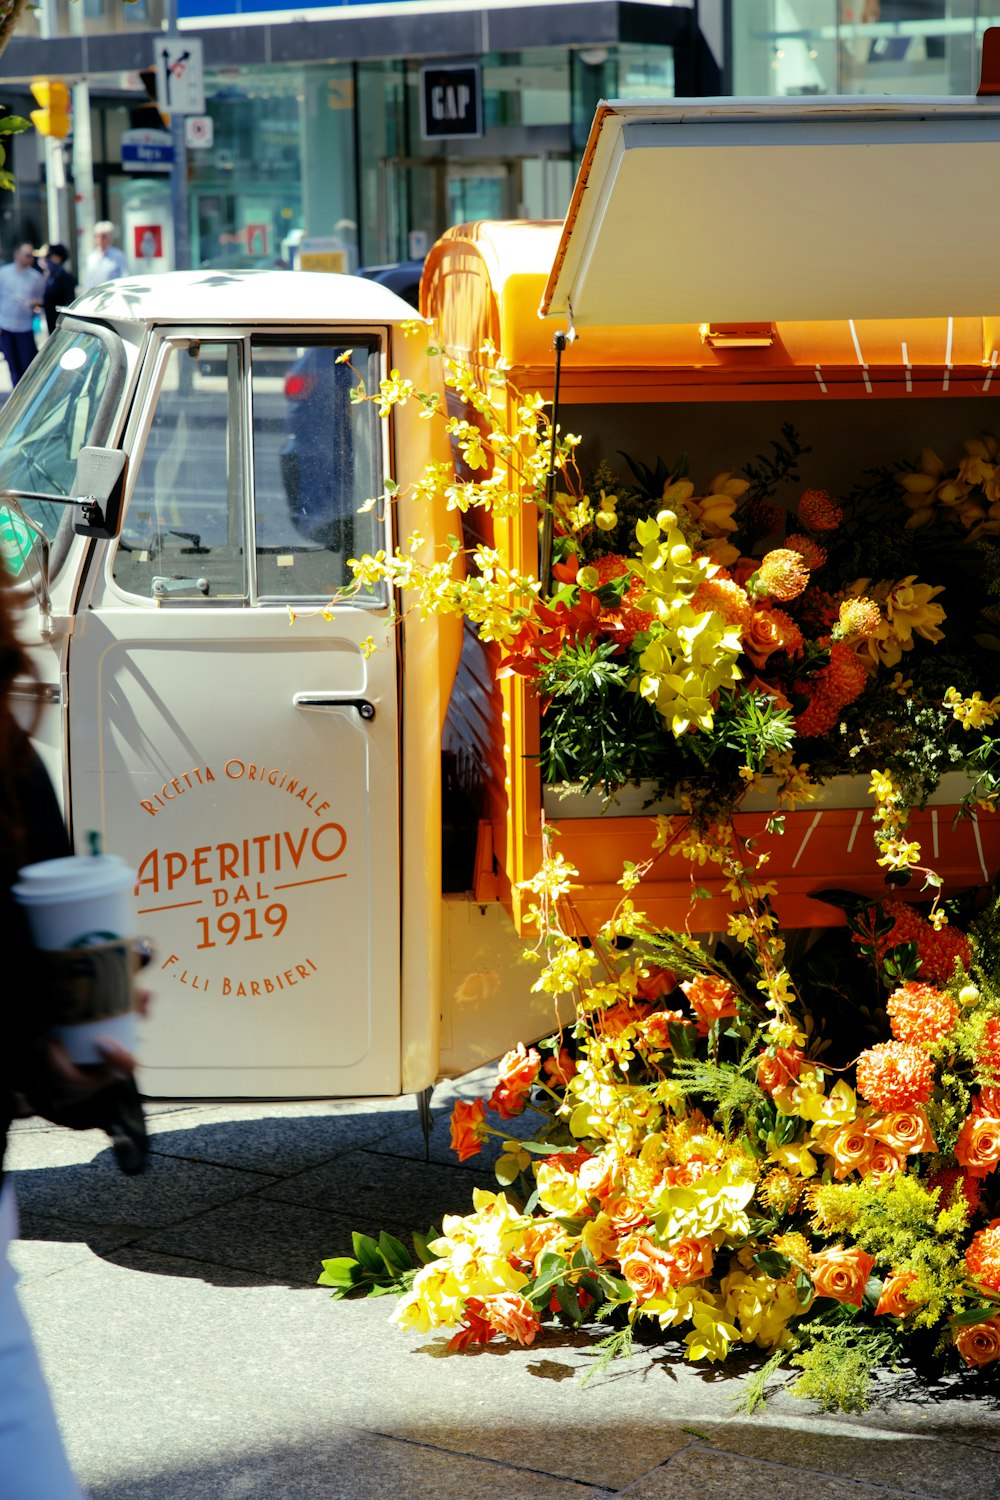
(317, 459)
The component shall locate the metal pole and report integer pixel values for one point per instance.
(559, 342)
(178, 172)
(55, 165)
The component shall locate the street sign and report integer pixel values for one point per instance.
(323, 253)
(451, 101)
(147, 151)
(199, 132)
(180, 83)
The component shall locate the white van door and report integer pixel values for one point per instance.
(231, 735)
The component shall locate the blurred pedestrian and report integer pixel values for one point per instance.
(21, 288)
(105, 262)
(60, 283)
(36, 1076)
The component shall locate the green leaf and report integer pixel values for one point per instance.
(803, 1288)
(772, 1264)
(395, 1254)
(700, 893)
(583, 1259)
(366, 1250)
(569, 1301)
(507, 1169)
(421, 1244)
(13, 125)
(972, 1315)
(342, 1271)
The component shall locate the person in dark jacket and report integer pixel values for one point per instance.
(36, 1077)
(60, 285)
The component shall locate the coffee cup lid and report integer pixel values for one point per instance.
(73, 875)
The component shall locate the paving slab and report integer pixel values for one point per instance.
(698, 1471)
(191, 1354)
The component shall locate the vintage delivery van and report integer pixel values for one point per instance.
(182, 471)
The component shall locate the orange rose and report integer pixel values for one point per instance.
(517, 1072)
(883, 1162)
(842, 1274)
(781, 1069)
(540, 1235)
(691, 1258)
(979, 1343)
(762, 637)
(850, 1148)
(978, 1146)
(627, 1213)
(711, 1000)
(905, 1130)
(645, 1267)
(560, 1069)
(655, 1029)
(468, 1128)
(655, 981)
(894, 1299)
(513, 1316)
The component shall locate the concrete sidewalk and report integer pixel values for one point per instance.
(191, 1354)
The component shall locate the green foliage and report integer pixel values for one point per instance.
(616, 1345)
(596, 729)
(378, 1268)
(10, 125)
(840, 1359)
(781, 466)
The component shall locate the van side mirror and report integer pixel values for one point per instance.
(99, 488)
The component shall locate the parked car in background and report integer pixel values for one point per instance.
(401, 277)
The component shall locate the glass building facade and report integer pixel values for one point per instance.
(306, 149)
(788, 47)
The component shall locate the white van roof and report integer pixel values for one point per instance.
(243, 297)
(729, 211)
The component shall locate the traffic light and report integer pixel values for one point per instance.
(52, 118)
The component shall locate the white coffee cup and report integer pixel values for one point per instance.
(81, 915)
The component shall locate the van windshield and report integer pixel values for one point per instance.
(58, 408)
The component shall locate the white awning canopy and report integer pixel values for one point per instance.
(736, 211)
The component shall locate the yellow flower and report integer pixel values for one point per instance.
(795, 1158)
(972, 713)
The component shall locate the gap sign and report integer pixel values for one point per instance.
(451, 100)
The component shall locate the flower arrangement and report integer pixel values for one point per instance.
(794, 1150)
(710, 1156)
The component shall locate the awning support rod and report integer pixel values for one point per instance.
(559, 342)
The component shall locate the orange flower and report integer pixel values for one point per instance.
(517, 1072)
(850, 1148)
(560, 1069)
(691, 1260)
(952, 1182)
(982, 1258)
(655, 981)
(937, 951)
(920, 1013)
(842, 1274)
(768, 631)
(978, 1146)
(819, 511)
(655, 1029)
(895, 1075)
(645, 1267)
(894, 1299)
(724, 598)
(782, 574)
(812, 554)
(468, 1128)
(626, 1213)
(979, 1343)
(513, 1316)
(475, 1330)
(884, 1162)
(989, 1053)
(860, 617)
(905, 1130)
(781, 1069)
(711, 1000)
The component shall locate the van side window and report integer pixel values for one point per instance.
(183, 531)
(316, 459)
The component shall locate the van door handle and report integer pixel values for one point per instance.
(365, 709)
